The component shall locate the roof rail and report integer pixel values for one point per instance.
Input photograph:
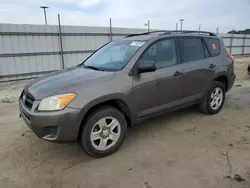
(191, 31)
(147, 33)
(164, 32)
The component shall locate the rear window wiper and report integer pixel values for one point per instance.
(92, 67)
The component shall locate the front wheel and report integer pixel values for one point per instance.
(214, 100)
(103, 132)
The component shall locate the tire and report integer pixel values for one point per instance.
(206, 106)
(99, 130)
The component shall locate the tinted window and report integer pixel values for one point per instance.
(191, 49)
(163, 53)
(213, 46)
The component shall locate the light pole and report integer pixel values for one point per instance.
(181, 20)
(44, 11)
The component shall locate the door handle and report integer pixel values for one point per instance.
(211, 66)
(177, 73)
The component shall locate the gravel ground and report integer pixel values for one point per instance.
(185, 149)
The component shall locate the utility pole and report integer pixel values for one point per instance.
(217, 30)
(148, 25)
(176, 26)
(110, 29)
(181, 20)
(200, 27)
(44, 11)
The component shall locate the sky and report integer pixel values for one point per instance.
(163, 14)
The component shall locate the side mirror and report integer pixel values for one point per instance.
(146, 66)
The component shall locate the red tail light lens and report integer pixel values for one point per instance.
(230, 56)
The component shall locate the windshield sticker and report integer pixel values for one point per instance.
(137, 43)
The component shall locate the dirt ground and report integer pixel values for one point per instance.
(184, 149)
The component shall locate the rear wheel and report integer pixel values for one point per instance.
(103, 132)
(214, 100)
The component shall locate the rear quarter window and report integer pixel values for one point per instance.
(213, 46)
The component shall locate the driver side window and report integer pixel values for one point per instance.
(163, 53)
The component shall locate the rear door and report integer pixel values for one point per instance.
(198, 66)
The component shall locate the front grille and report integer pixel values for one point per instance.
(28, 100)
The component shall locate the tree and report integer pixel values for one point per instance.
(246, 31)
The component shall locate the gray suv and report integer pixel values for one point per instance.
(127, 81)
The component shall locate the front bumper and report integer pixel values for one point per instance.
(57, 126)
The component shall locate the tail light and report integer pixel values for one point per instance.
(230, 56)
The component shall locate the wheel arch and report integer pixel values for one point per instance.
(116, 101)
(223, 78)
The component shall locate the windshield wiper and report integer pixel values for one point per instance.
(92, 67)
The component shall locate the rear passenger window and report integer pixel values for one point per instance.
(191, 49)
(213, 46)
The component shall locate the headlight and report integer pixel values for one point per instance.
(57, 102)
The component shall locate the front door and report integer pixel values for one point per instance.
(167, 81)
(144, 93)
(169, 75)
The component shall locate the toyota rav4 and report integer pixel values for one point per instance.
(127, 81)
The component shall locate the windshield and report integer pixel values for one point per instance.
(113, 56)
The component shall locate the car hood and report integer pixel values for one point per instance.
(65, 81)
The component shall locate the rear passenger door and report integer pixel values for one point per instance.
(198, 68)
